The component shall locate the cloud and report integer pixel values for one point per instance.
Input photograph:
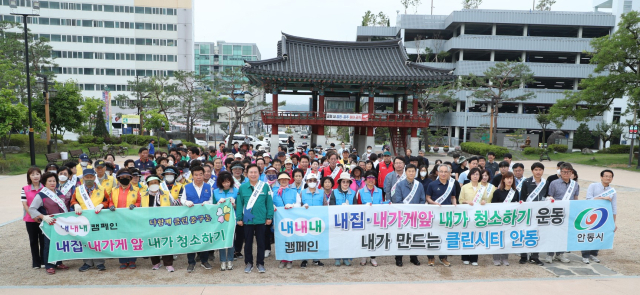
(67, 226)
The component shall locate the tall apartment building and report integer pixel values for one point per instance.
(213, 58)
(102, 44)
(551, 43)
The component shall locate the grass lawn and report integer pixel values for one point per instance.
(601, 160)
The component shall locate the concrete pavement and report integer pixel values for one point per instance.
(583, 286)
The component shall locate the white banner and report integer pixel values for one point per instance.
(382, 230)
(347, 117)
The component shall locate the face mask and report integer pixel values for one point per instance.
(169, 178)
(271, 177)
(124, 181)
(558, 171)
(84, 164)
(89, 183)
(63, 178)
(299, 151)
(352, 166)
(179, 178)
(108, 173)
(185, 171)
(154, 187)
(53, 171)
(423, 173)
(312, 184)
(170, 163)
(368, 151)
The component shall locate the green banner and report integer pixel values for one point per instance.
(141, 232)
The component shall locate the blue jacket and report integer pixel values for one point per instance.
(315, 199)
(289, 196)
(365, 196)
(403, 189)
(219, 194)
(339, 198)
(192, 195)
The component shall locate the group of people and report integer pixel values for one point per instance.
(258, 184)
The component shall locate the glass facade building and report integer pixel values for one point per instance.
(218, 57)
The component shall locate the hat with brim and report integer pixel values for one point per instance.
(237, 167)
(344, 176)
(123, 172)
(238, 155)
(284, 176)
(462, 159)
(386, 153)
(86, 172)
(288, 161)
(271, 169)
(152, 177)
(312, 175)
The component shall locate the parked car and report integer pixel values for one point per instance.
(283, 138)
(202, 143)
(304, 134)
(239, 138)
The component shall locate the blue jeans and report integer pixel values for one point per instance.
(127, 260)
(226, 254)
(204, 257)
(45, 255)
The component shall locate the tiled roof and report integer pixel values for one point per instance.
(378, 61)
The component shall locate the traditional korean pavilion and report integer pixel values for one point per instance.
(321, 68)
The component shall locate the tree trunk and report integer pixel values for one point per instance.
(495, 125)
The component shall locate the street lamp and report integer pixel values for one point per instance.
(35, 11)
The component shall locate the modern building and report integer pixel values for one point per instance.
(213, 58)
(103, 44)
(551, 43)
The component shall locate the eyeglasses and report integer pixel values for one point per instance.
(371, 177)
(566, 172)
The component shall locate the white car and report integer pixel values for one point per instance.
(202, 143)
(239, 138)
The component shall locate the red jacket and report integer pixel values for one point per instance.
(383, 171)
(326, 172)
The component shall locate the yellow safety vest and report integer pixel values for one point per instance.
(165, 199)
(132, 197)
(107, 184)
(97, 197)
(175, 190)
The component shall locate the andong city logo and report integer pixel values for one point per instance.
(591, 219)
(301, 227)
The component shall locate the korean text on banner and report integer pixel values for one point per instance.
(142, 232)
(382, 230)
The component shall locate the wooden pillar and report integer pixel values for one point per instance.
(371, 104)
(314, 128)
(274, 95)
(395, 104)
(356, 130)
(414, 130)
(320, 130)
(404, 104)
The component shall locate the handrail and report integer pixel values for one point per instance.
(321, 116)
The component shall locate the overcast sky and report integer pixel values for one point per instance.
(261, 21)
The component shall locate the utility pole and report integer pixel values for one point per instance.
(466, 118)
(431, 7)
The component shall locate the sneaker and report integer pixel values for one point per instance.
(132, 265)
(374, 262)
(585, 260)
(191, 268)
(170, 269)
(267, 253)
(303, 264)
(505, 262)
(124, 265)
(347, 262)
(522, 261)
(36, 267)
(101, 267)
(496, 262)
(289, 265)
(85, 267)
(563, 258)
(229, 265)
(51, 271)
(282, 264)
(431, 262)
(363, 261)
(248, 268)
(595, 259)
(237, 255)
(261, 268)
(415, 261)
(175, 257)
(445, 262)
(338, 263)
(157, 266)
(206, 265)
(223, 266)
(318, 263)
(62, 266)
(549, 259)
(536, 261)
(465, 262)
(474, 263)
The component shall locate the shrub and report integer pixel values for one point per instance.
(142, 140)
(82, 139)
(479, 148)
(617, 149)
(8, 165)
(22, 141)
(533, 151)
(189, 144)
(560, 148)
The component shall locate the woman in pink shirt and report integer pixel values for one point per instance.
(36, 238)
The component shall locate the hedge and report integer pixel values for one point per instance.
(533, 151)
(617, 149)
(479, 148)
(560, 148)
(143, 140)
(22, 141)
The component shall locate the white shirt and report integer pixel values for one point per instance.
(183, 197)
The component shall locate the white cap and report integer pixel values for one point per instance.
(312, 175)
(345, 176)
(238, 155)
(266, 155)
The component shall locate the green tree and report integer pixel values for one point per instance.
(101, 125)
(154, 120)
(471, 4)
(617, 74)
(583, 138)
(64, 115)
(437, 102)
(545, 5)
(367, 18)
(89, 111)
(496, 84)
(142, 98)
(15, 118)
(607, 132)
(197, 102)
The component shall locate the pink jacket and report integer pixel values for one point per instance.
(30, 193)
(354, 185)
